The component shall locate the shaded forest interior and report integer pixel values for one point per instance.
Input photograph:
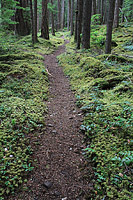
(98, 62)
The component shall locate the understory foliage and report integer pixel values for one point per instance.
(103, 87)
(23, 92)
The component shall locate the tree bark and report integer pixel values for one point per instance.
(109, 26)
(76, 19)
(23, 26)
(32, 23)
(44, 25)
(35, 20)
(87, 8)
(94, 7)
(79, 22)
(52, 20)
(62, 14)
(116, 14)
(68, 14)
(72, 13)
(59, 14)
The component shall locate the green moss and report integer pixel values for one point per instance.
(103, 87)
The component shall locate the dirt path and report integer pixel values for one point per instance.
(57, 175)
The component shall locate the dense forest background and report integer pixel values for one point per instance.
(98, 61)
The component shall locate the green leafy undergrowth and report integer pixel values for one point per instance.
(103, 90)
(23, 92)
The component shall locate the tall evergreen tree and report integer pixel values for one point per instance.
(87, 8)
(44, 25)
(35, 20)
(72, 13)
(109, 26)
(79, 22)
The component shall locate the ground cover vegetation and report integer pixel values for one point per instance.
(103, 86)
(23, 91)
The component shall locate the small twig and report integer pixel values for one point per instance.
(48, 72)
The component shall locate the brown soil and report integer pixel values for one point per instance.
(58, 174)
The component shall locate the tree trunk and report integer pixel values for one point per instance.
(23, 26)
(87, 8)
(32, 23)
(116, 14)
(76, 19)
(109, 26)
(72, 13)
(68, 14)
(59, 15)
(52, 19)
(62, 14)
(79, 22)
(93, 7)
(44, 26)
(35, 20)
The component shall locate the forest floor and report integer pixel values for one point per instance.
(59, 172)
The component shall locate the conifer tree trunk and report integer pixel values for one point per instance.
(72, 13)
(76, 18)
(52, 19)
(62, 14)
(116, 14)
(79, 22)
(35, 20)
(94, 7)
(68, 14)
(87, 8)
(23, 26)
(59, 14)
(32, 23)
(44, 25)
(109, 26)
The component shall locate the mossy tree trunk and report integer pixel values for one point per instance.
(109, 26)
(44, 25)
(87, 8)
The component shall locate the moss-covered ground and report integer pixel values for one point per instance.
(103, 87)
(23, 92)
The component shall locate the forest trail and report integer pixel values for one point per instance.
(58, 175)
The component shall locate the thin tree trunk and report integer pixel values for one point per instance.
(59, 15)
(32, 23)
(116, 14)
(68, 14)
(35, 20)
(109, 26)
(79, 22)
(62, 14)
(76, 19)
(52, 19)
(94, 7)
(72, 13)
(44, 26)
(87, 8)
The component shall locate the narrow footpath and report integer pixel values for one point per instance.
(58, 174)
